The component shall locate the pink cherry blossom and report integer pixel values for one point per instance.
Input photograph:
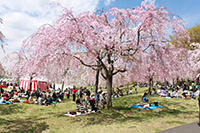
(130, 41)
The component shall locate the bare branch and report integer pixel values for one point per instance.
(103, 75)
(94, 67)
(119, 70)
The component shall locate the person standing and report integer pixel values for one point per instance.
(199, 109)
(136, 92)
(74, 93)
(68, 93)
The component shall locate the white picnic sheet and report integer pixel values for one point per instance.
(78, 114)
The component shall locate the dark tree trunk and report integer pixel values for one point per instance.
(150, 86)
(199, 108)
(30, 83)
(18, 77)
(178, 81)
(54, 86)
(63, 84)
(96, 86)
(97, 81)
(197, 80)
(109, 92)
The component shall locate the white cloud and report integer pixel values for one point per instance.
(191, 20)
(23, 17)
(107, 2)
(150, 2)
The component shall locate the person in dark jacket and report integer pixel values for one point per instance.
(92, 104)
(199, 109)
(48, 100)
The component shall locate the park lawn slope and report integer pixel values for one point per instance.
(29, 118)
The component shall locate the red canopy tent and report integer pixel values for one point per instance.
(34, 86)
(3, 86)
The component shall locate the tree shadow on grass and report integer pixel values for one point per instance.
(10, 109)
(122, 114)
(22, 125)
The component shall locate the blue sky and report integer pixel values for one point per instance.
(21, 18)
(189, 10)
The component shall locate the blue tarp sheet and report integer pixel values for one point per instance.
(4, 102)
(142, 107)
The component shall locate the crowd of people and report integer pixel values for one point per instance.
(86, 99)
(183, 91)
(171, 91)
(128, 91)
(83, 97)
(17, 94)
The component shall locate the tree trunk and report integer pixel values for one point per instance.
(63, 84)
(97, 81)
(127, 86)
(30, 83)
(199, 108)
(96, 87)
(178, 82)
(54, 86)
(150, 86)
(18, 78)
(109, 92)
(197, 80)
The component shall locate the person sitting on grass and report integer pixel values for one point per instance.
(31, 101)
(48, 100)
(144, 98)
(54, 96)
(79, 106)
(16, 97)
(39, 100)
(92, 104)
(1, 91)
(61, 96)
(121, 93)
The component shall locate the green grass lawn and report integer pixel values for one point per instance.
(20, 117)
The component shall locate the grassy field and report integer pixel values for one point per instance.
(20, 117)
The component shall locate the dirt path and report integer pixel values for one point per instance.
(189, 128)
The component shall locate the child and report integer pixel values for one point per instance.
(136, 91)
(131, 91)
(144, 98)
(127, 91)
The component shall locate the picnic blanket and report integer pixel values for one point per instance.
(142, 106)
(4, 102)
(78, 114)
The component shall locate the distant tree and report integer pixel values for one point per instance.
(2, 71)
(194, 37)
(1, 36)
(194, 33)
